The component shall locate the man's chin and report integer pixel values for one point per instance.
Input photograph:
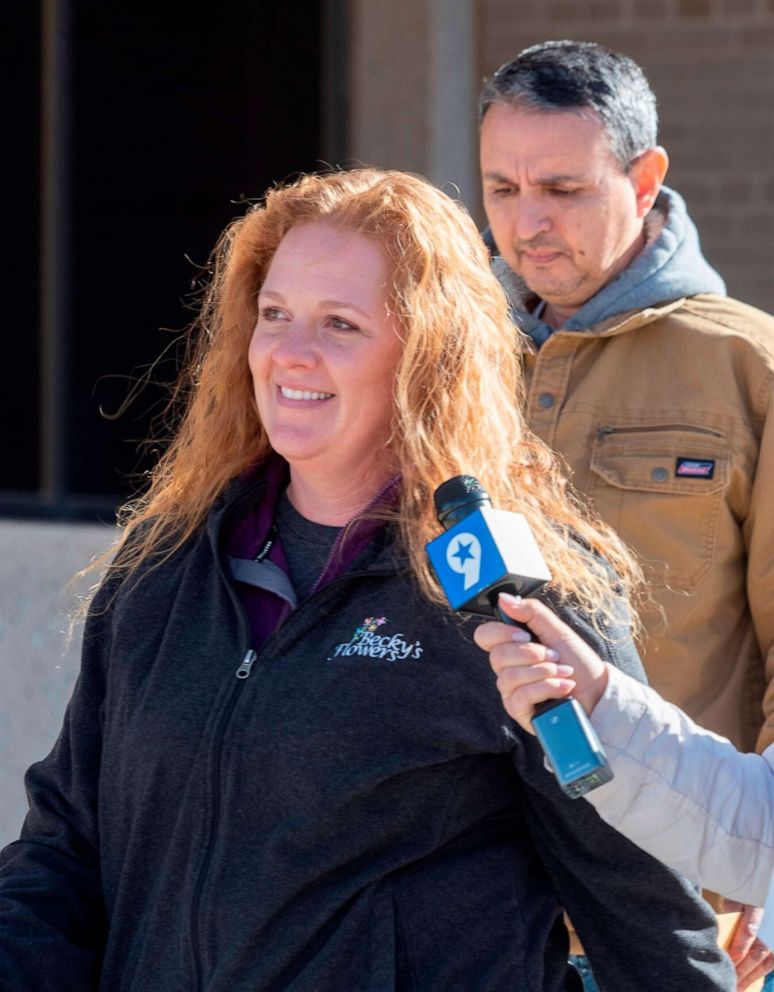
(555, 297)
(558, 293)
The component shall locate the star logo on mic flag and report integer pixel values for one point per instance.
(463, 552)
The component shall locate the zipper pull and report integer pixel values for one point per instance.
(246, 667)
(603, 432)
(268, 544)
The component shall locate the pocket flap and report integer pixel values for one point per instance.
(639, 464)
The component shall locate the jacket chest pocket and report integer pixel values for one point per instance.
(662, 489)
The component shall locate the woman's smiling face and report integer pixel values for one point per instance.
(324, 352)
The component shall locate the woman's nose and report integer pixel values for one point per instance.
(296, 346)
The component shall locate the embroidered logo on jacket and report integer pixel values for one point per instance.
(695, 468)
(367, 642)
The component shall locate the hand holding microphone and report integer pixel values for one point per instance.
(482, 553)
(532, 672)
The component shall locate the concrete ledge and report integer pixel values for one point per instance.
(37, 666)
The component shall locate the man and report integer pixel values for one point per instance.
(655, 387)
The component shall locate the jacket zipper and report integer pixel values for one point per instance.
(607, 430)
(241, 673)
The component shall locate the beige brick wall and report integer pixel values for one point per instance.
(413, 88)
(711, 65)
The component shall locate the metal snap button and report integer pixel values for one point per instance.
(546, 400)
(659, 474)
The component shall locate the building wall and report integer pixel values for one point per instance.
(711, 65)
(38, 665)
(416, 67)
(413, 88)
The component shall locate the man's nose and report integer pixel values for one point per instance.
(532, 217)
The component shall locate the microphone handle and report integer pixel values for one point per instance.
(568, 737)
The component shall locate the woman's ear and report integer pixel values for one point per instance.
(647, 173)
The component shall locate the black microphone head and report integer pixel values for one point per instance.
(456, 498)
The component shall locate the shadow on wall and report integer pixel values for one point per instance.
(37, 666)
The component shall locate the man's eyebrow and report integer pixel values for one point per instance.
(497, 177)
(556, 179)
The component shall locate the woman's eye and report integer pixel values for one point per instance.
(271, 313)
(339, 324)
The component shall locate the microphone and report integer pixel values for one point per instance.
(491, 550)
(481, 553)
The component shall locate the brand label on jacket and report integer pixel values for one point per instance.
(369, 641)
(697, 468)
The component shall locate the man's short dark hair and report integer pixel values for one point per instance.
(572, 75)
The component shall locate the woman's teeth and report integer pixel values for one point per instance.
(303, 394)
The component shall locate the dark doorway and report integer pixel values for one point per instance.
(172, 116)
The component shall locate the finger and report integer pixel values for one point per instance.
(751, 980)
(512, 655)
(513, 677)
(745, 933)
(492, 633)
(522, 702)
(541, 620)
(754, 966)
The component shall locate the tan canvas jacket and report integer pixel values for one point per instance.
(666, 420)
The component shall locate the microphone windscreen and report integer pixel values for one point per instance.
(458, 497)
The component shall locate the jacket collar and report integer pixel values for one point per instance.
(259, 488)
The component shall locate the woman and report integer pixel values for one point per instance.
(682, 793)
(284, 766)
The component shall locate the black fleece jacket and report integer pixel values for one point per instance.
(357, 814)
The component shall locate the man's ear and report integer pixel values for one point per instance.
(647, 173)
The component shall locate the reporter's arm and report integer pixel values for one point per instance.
(680, 792)
(596, 871)
(684, 794)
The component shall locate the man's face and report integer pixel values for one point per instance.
(564, 214)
